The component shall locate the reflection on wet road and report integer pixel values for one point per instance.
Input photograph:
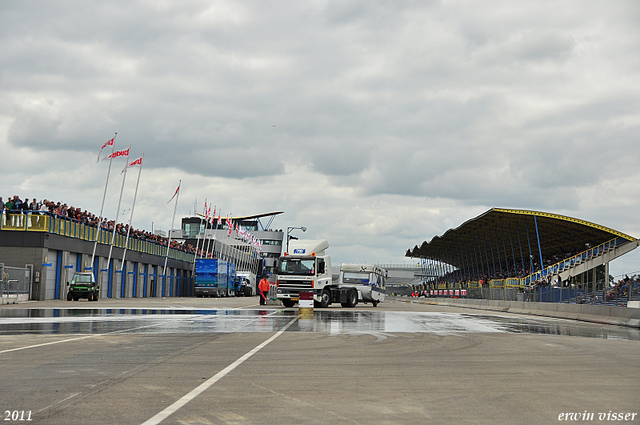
(105, 321)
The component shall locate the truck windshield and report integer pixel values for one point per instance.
(350, 277)
(297, 266)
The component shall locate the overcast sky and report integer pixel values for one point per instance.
(375, 124)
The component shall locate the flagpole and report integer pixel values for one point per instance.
(164, 271)
(193, 270)
(135, 194)
(213, 231)
(115, 223)
(204, 234)
(104, 195)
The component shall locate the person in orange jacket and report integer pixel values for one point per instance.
(263, 286)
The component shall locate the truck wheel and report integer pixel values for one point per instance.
(352, 298)
(288, 303)
(375, 303)
(326, 299)
(69, 298)
(247, 291)
(95, 297)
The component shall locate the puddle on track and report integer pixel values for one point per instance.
(106, 321)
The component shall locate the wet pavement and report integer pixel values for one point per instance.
(40, 321)
(232, 361)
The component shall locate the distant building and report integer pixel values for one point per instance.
(214, 238)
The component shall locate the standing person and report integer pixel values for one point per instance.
(9, 208)
(24, 211)
(33, 212)
(264, 286)
(3, 215)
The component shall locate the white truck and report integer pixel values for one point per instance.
(369, 281)
(307, 268)
(247, 284)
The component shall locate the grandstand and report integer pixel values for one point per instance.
(522, 250)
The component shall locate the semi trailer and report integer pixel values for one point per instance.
(368, 279)
(214, 278)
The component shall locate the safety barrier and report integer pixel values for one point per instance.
(31, 221)
(590, 313)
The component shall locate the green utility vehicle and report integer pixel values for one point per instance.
(82, 285)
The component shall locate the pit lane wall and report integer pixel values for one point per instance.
(623, 316)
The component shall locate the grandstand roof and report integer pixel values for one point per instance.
(508, 232)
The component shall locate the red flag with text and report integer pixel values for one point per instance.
(117, 154)
(133, 164)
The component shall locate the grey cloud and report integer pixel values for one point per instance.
(531, 46)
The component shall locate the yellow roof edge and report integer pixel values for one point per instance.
(566, 218)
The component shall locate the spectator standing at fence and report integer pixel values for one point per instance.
(44, 209)
(10, 207)
(33, 211)
(3, 213)
(23, 206)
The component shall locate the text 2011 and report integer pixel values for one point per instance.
(17, 415)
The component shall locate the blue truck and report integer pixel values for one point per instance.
(215, 278)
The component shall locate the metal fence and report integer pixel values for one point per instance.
(15, 283)
(610, 297)
(503, 294)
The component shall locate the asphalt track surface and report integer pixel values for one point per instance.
(231, 361)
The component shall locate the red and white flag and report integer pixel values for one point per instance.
(174, 195)
(133, 164)
(136, 162)
(229, 225)
(107, 143)
(117, 154)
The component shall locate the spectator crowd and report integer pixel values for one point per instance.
(15, 209)
(493, 271)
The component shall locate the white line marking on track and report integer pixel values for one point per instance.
(161, 416)
(44, 344)
(74, 339)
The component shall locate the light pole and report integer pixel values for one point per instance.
(289, 229)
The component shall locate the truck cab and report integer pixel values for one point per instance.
(305, 268)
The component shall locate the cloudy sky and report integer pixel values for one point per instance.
(375, 124)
